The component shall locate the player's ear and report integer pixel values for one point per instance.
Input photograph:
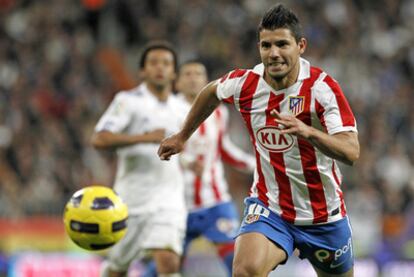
(302, 43)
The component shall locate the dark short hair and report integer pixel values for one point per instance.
(155, 45)
(281, 17)
(193, 61)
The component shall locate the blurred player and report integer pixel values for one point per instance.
(300, 123)
(134, 124)
(212, 214)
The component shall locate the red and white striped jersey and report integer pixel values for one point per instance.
(211, 145)
(293, 178)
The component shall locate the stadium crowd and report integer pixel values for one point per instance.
(62, 61)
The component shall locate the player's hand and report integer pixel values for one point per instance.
(155, 136)
(291, 125)
(197, 167)
(170, 146)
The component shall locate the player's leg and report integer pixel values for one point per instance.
(328, 247)
(125, 251)
(349, 273)
(221, 226)
(165, 240)
(264, 241)
(256, 255)
(106, 271)
(166, 261)
(192, 232)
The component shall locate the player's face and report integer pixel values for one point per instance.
(280, 52)
(159, 68)
(191, 79)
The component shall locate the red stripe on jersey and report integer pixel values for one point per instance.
(216, 191)
(197, 189)
(229, 100)
(347, 116)
(278, 164)
(338, 190)
(197, 180)
(237, 73)
(308, 156)
(224, 78)
(320, 111)
(245, 102)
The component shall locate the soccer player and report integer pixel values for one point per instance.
(134, 124)
(300, 124)
(212, 214)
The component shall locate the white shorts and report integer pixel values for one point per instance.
(164, 230)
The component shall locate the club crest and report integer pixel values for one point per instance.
(296, 104)
(250, 218)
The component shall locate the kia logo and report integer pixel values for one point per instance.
(271, 139)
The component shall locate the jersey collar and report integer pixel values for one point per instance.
(304, 69)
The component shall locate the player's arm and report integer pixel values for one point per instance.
(106, 139)
(205, 103)
(342, 146)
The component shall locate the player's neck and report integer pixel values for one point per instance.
(160, 92)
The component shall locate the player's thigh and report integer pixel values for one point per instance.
(166, 261)
(321, 273)
(165, 231)
(255, 254)
(128, 248)
(328, 247)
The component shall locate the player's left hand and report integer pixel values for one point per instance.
(291, 125)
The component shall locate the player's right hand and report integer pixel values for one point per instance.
(170, 146)
(197, 167)
(155, 136)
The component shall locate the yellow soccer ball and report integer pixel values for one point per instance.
(95, 218)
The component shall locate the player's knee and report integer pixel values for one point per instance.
(247, 269)
(167, 262)
(169, 266)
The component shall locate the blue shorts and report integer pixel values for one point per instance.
(219, 224)
(327, 246)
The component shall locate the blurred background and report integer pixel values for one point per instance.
(62, 61)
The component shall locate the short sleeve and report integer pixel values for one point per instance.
(229, 85)
(333, 109)
(117, 116)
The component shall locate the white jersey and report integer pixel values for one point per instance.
(293, 178)
(211, 144)
(144, 182)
